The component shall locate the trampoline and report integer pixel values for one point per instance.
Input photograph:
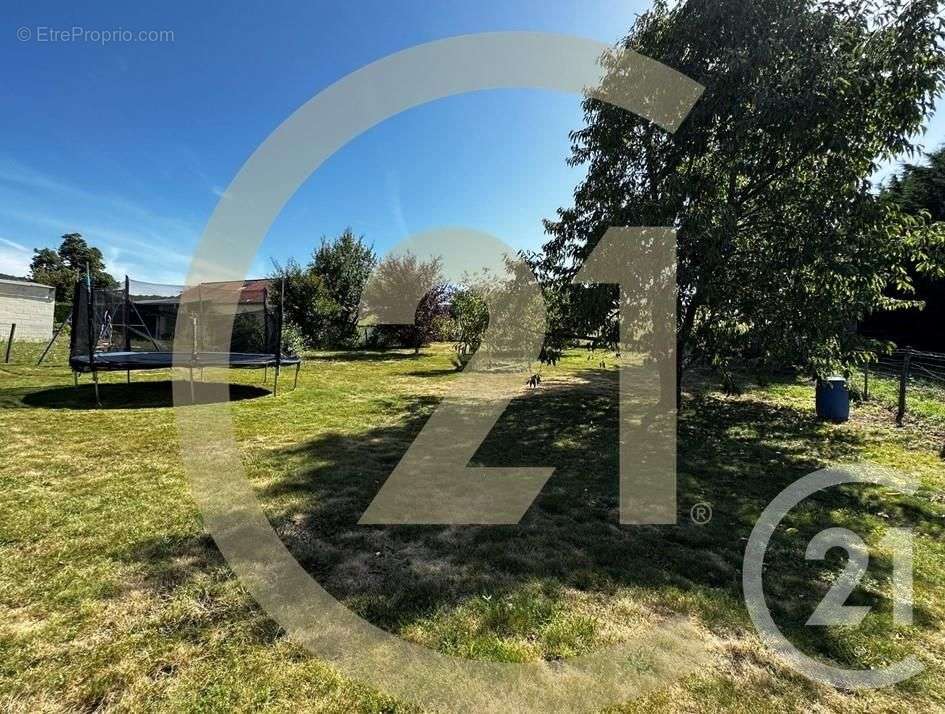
(145, 326)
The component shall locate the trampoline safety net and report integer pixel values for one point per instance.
(140, 325)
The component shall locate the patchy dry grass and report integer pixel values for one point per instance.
(113, 597)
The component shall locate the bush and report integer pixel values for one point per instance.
(293, 341)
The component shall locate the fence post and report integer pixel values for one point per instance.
(6, 359)
(903, 383)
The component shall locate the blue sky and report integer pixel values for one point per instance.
(133, 143)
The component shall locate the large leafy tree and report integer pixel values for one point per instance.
(299, 299)
(782, 243)
(343, 264)
(322, 298)
(64, 266)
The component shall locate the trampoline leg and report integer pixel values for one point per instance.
(266, 374)
(128, 376)
(75, 378)
(275, 382)
(193, 400)
(98, 399)
(296, 382)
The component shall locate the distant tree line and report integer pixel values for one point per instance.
(321, 299)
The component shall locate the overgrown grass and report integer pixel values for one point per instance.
(113, 597)
(925, 399)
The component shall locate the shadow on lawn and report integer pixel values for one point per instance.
(363, 356)
(137, 395)
(735, 454)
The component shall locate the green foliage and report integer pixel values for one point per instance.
(322, 298)
(782, 244)
(404, 281)
(920, 195)
(499, 314)
(343, 265)
(293, 340)
(444, 328)
(299, 299)
(921, 187)
(248, 333)
(63, 267)
(471, 314)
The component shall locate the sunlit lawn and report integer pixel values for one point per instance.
(113, 597)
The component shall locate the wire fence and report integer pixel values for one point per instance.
(912, 380)
(18, 346)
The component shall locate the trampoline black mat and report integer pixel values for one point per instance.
(122, 361)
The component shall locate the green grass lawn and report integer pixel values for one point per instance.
(112, 595)
(925, 400)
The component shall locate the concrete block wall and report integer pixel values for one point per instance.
(30, 306)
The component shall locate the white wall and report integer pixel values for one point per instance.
(30, 306)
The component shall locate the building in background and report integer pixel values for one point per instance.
(30, 306)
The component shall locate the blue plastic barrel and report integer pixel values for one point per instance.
(833, 399)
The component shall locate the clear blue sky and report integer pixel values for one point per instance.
(132, 143)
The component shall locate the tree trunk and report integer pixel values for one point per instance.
(682, 339)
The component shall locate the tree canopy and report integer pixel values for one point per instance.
(322, 298)
(408, 288)
(783, 245)
(61, 268)
(919, 189)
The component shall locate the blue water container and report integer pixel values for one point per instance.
(833, 399)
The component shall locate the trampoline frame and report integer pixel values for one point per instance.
(96, 362)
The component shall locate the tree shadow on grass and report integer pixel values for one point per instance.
(137, 395)
(364, 356)
(735, 454)
(435, 372)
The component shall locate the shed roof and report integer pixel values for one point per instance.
(5, 281)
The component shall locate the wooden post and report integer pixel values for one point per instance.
(10, 342)
(903, 383)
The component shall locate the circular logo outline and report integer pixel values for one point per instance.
(753, 578)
